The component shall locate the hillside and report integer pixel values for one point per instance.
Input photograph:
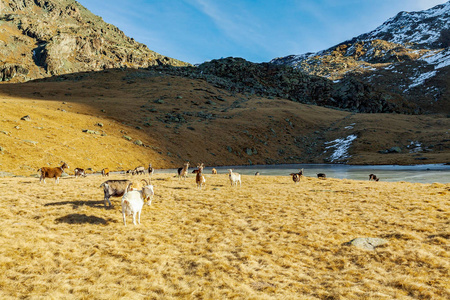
(136, 117)
(44, 38)
(408, 55)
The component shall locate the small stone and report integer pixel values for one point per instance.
(366, 243)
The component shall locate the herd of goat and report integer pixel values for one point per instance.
(133, 199)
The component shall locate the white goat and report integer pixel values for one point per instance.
(234, 177)
(133, 201)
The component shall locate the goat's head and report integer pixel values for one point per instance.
(64, 166)
(147, 191)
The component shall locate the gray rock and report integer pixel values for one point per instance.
(367, 243)
(26, 118)
(30, 142)
(90, 131)
(395, 149)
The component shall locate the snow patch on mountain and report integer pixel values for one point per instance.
(438, 58)
(422, 27)
(340, 147)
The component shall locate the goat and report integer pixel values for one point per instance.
(133, 201)
(197, 170)
(48, 172)
(139, 171)
(114, 188)
(321, 175)
(79, 172)
(234, 177)
(257, 174)
(182, 172)
(373, 177)
(105, 172)
(214, 171)
(296, 176)
(150, 170)
(199, 178)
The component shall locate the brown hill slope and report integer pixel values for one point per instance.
(43, 38)
(178, 119)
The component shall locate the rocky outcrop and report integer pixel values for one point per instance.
(269, 80)
(53, 37)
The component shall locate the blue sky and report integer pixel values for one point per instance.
(199, 30)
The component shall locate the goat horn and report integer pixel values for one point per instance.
(146, 182)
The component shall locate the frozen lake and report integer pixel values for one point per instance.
(411, 173)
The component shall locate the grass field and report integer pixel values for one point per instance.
(269, 239)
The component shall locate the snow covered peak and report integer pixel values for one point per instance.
(422, 28)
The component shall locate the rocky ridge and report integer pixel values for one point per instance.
(41, 38)
(269, 80)
(407, 55)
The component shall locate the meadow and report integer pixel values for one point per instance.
(268, 239)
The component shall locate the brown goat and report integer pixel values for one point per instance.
(48, 172)
(296, 176)
(199, 178)
(373, 177)
(214, 171)
(105, 172)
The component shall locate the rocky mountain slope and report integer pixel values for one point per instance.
(408, 55)
(270, 80)
(123, 118)
(41, 38)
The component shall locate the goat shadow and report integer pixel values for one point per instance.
(84, 219)
(77, 203)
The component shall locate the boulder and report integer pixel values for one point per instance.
(366, 243)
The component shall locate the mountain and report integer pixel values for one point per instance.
(407, 55)
(41, 38)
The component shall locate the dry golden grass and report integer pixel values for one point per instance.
(269, 239)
